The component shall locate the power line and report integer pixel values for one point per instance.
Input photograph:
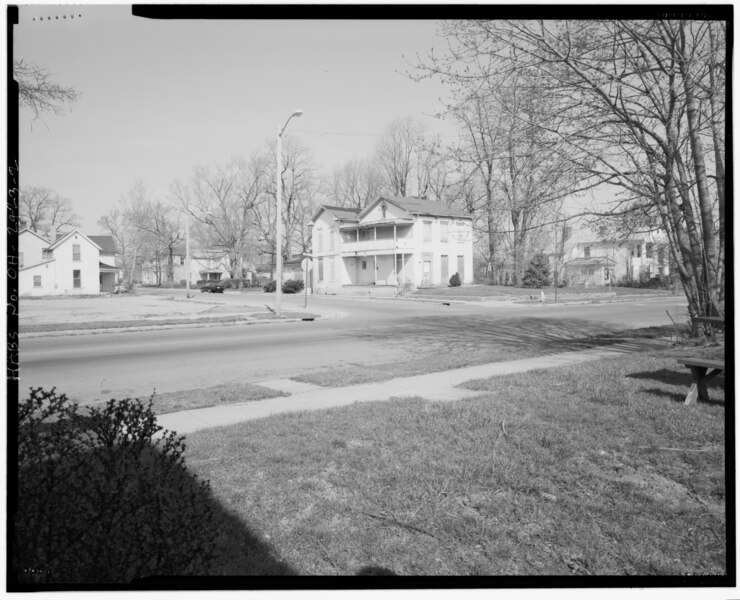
(347, 133)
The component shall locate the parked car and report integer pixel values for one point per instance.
(213, 287)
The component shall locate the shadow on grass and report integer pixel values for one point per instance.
(678, 377)
(681, 398)
(104, 503)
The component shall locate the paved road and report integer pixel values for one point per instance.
(356, 331)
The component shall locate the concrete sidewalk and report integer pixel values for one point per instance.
(440, 386)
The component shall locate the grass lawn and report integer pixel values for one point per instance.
(506, 290)
(226, 393)
(597, 469)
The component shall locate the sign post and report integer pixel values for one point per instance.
(307, 264)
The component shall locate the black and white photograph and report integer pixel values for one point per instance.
(370, 297)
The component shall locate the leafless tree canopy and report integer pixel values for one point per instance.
(629, 104)
(37, 91)
(44, 211)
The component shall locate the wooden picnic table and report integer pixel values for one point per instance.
(702, 370)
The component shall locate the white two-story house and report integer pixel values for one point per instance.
(69, 265)
(390, 242)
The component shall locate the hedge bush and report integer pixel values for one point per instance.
(291, 286)
(103, 497)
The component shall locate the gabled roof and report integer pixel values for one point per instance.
(43, 262)
(27, 230)
(106, 242)
(66, 236)
(338, 212)
(418, 206)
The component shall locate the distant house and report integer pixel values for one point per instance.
(585, 260)
(390, 242)
(204, 266)
(70, 265)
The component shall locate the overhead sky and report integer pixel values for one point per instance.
(159, 97)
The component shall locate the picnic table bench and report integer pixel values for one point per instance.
(701, 373)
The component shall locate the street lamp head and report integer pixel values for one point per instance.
(297, 113)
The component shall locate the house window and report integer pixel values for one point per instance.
(75, 252)
(444, 231)
(182, 260)
(587, 252)
(20, 259)
(321, 269)
(331, 270)
(427, 231)
(37, 281)
(648, 250)
(639, 250)
(331, 240)
(76, 279)
(319, 240)
(364, 265)
(46, 254)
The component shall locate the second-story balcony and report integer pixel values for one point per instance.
(373, 246)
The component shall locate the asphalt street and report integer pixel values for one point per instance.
(363, 332)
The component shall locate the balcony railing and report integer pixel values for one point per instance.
(376, 245)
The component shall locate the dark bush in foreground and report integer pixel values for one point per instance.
(103, 498)
(455, 280)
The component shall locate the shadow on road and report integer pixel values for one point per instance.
(461, 333)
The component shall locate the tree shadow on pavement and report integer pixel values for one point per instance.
(461, 333)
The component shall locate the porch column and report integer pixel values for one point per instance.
(357, 232)
(375, 268)
(395, 266)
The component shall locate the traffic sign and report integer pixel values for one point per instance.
(306, 264)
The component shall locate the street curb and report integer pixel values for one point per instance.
(194, 325)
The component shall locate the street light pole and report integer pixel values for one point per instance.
(187, 254)
(279, 217)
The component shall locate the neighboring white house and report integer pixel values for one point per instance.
(204, 266)
(70, 265)
(585, 260)
(390, 242)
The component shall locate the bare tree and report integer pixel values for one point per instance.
(44, 211)
(37, 91)
(396, 153)
(221, 199)
(630, 103)
(300, 197)
(354, 184)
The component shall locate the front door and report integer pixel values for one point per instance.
(426, 269)
(445, 268)
(461, 268)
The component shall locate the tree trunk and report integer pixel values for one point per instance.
(711, 301)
